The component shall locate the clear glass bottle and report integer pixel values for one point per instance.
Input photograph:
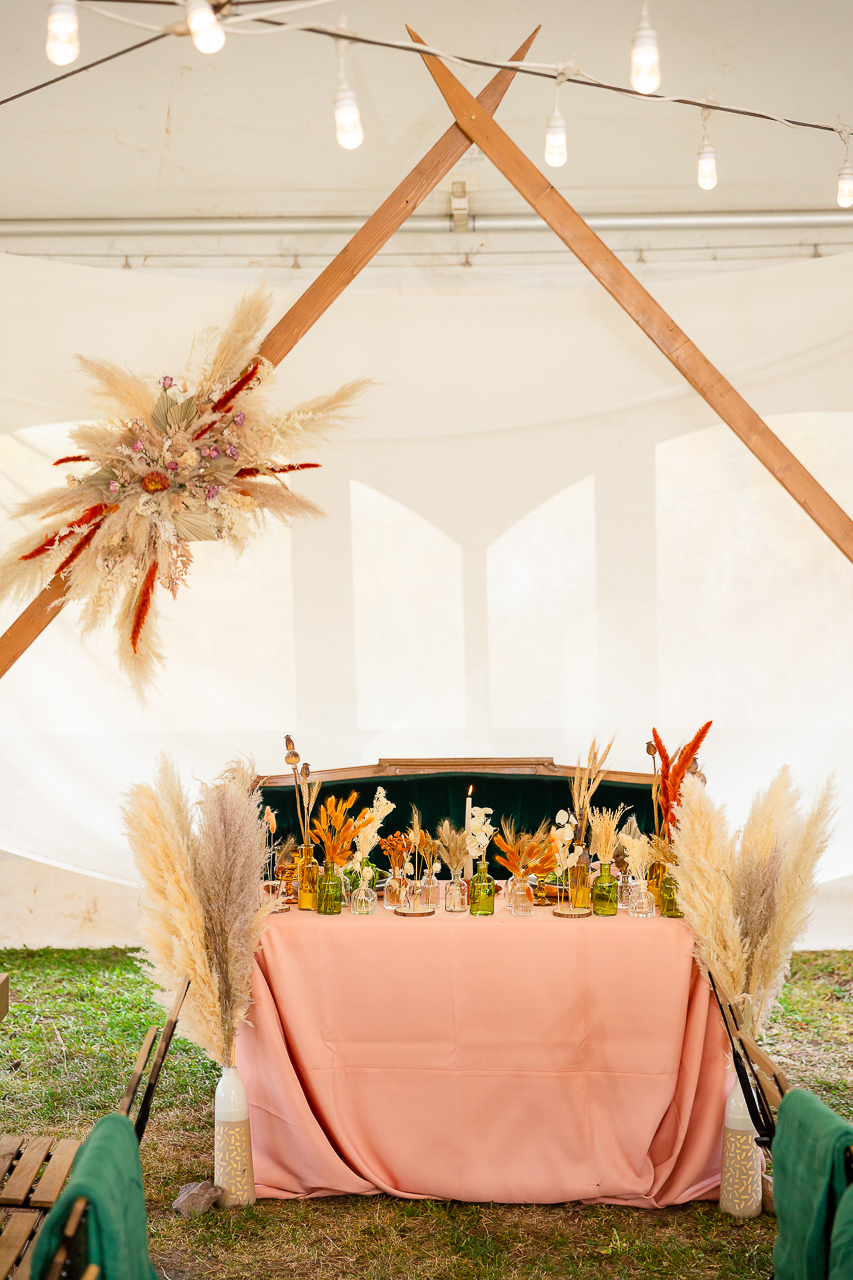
(669, 899)
(626, 884)
(329, 891)
(364, 901)
(430, 895)
(641, 903)
(394, 893)
(456, 893)
(309, 874)
(521, 897)
(604, 892)
(482, 892)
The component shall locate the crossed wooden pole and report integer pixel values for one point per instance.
(474, 123)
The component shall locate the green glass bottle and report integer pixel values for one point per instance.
(604, 892)
(669, 898)
(482, 894)
(329, 890)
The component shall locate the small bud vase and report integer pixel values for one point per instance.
(309, 874)
(232, 1160)
(657, 871)
(430, 891)
(640, 902)
(329, 892)
(482, 892)
(521, 897)
(394, 893)
(604, 892)
(456, 893)
(740, 1180)
(364, 901)
(669, 908)
(626, 884)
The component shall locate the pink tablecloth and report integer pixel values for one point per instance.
(514, 1060)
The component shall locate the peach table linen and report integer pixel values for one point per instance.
(515, 1060)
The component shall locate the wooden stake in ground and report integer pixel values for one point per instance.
(641, 307)
(304, 313)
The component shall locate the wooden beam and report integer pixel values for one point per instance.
(31, 623)
(380, 227)
(642, 308)
(306, 311)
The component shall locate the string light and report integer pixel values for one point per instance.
(645, 59)
(556, 154)
(707, 176)
(207, 34)
(348, 130)
(63, 33)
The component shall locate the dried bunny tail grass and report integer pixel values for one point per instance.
(118, 388)
(705, 875)
(158, 825)
(452, 845)
(238, 341)
(229, 854)
(807, 842)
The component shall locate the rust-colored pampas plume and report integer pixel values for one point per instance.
(673, 770)
(746, 897)
(201, 868)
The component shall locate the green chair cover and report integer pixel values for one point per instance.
(108, 1172)
(809, 1182)
(841, 1244)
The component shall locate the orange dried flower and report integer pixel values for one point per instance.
(155, 482)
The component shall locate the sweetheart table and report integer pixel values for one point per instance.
(483, 1059)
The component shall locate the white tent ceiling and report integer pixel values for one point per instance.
(169, 131)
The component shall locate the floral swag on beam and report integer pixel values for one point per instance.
(174, 464)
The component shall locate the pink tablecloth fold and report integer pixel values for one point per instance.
(515, 1060)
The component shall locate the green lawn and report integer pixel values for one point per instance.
(68, 1044)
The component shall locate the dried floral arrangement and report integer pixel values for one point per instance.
(399, 851)
(563, 846)
(747, 896)
(604, 824)
(334, 830)
(640, 854)
(305, 792)
(628, 831)
(201, 866)
(481, 831)
(425, 861)
(175, 462)
(367, 838)
(452, 846)
(666, 787)
(584, 785)
(525, 854)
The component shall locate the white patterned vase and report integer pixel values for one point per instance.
(232, 1161)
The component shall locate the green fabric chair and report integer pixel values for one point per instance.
(841, 1243)
(809, 1183)
(107, 1171)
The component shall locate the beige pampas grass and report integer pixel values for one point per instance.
(584, 785)
(747, 897)
(202, 867)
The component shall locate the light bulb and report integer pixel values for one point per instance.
(348, 130)
(555, 140)
(707, 166)
(645, 60)
(207, 34)
(63, 33)
(845, 186)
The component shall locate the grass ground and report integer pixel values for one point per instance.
(66, 1050)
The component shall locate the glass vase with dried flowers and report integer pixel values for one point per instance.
(398, 851)
(276, 855)
(640, 855)
(481, 891)
(334, 831)
(421, 896)
(366, 841)
(453, 850)
(669, 907)
(604, 824)
(666, 796)
(524, 855)
(305, 795)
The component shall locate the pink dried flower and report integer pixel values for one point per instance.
(172, 466)
(167, 382)
(137, 446)
(113, 486)
(211, 491)
(204, 451)
(232, 451)
(239, 418)
(214, 452)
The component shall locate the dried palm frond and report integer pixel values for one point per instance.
(584, 785)
(201, 872)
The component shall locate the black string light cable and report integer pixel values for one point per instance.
(89, 65)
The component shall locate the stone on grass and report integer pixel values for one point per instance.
(196, 1197)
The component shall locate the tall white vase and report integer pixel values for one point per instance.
(740, 1183)
(233, 1170)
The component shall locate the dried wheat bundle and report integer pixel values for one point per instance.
(452, 846)
(639, 855)
(584, 785)
(746, 897)
(202, 867)
(169, 465)
(605, 824)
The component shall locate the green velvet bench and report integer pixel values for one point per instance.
(525, 789)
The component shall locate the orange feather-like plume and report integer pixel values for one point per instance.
(56, 538)
(143, 605)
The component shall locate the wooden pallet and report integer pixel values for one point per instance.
(32, 1174)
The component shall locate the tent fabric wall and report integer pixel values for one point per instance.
(529, 485)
